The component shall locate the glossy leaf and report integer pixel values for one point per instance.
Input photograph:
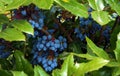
(90, 52)
(101, 17)
(64, 55)
(12, 34)
(113, 38)
(113, 64)
(116, 71)
(98, 51)
(114, 5)
(1, 6)
(74, 7)
(66, 67)
(87, 56)
(94, 64)
(38, 71)
(96, 4)
(117, 50)
(14, 4)
(57, 72)
(19, 73)
(23, 25)
(21, 64)
(44, 4)
(3, 3)
(3, 19)
(27, 2)
(6, 1)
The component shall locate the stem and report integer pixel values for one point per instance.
(101, 37)
(115, 24)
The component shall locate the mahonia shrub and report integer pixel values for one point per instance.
(59, 38)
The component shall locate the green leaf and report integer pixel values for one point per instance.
(113, 64)
(113, 37)
(87, 56)
(94, 64)
(3, 3)
(90, 52)
(27, 2)
(23, 25)
(96, 4)
(117, 49)
(21, 64)
(15, 4)
(19, 73)
(106, 71)
(116, 71)
(101, 17)
(57, 72)
(75, 47)
(12, 34)
(63, 55)
(1, 27)
(114, 5)
(1, 7)
(38, 71)
(74, 7)
(66, 67)
(5, 73)
(6, 1)
(98, 51)
(3, 19)
(44, 4)
(5, 64)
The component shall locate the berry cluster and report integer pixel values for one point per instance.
(88, 27)
(52, 44)
(31, 13)
(37, 20)
(46, 49)
(106, 33)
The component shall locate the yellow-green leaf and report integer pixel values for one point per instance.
(74, 7)
(19, 73)
(98, 51)
(101, 17)
(92, 65)
(23, 25)
(12, 34)
(117, 50)
(96, 4)
(44, 4)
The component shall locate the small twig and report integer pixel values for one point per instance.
(68, 36)
(43, 30)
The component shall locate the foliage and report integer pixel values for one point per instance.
(59, 37)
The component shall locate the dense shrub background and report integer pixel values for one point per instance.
(59, 38)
